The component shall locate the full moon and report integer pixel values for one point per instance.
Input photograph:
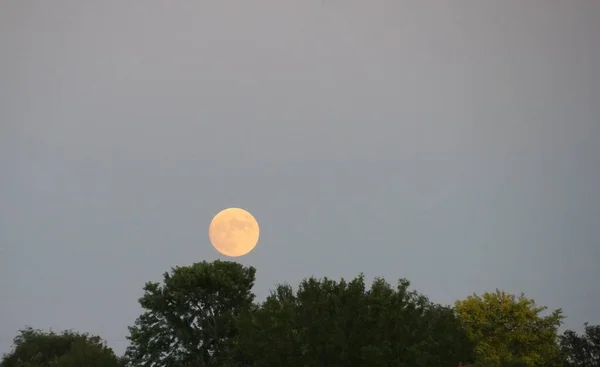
(233, 232)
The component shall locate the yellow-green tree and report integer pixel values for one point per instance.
(510, 330)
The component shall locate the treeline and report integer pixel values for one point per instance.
(205, 315)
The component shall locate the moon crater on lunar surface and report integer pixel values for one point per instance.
(233, 232)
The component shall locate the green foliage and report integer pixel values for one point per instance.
(510, 331)
(329, 323)
(581, 350)
(205, 315)
(35, 348)
(189, 320)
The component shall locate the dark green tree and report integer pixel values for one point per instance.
(511, 331)
(189, 319)
(329, 323)
(36, 348)
(581, 350)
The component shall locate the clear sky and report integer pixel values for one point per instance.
(454, 143)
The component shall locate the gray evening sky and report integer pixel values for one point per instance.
(454, 143)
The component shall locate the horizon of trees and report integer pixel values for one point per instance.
(205, 314)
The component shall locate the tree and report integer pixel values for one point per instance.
(36, 348)
(189, 320)
(510, 330)
(341, 323)
(581, 350)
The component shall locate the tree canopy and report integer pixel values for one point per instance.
(189, 319)
(204, 314)
(339, 323)
(510, 330)
(581, 350)
(36, 348)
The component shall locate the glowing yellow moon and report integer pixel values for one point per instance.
(233, 232)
